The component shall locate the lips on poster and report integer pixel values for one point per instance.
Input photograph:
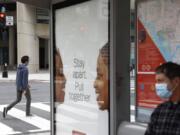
(81, 55)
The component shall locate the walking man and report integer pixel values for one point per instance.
(22, 87)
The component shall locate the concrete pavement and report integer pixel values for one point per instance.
(40, 133)
(44, 133)
(43, 76)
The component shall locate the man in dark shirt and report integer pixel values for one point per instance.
(165, 120)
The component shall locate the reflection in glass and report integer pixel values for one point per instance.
(60, 79)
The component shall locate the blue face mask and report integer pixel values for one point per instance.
(162, 91)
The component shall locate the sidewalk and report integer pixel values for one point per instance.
(43, 76)
(43, 133)
(40, 134)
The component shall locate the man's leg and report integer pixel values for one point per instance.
(18, 99)
(28, 102)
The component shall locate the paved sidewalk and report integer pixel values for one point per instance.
(43, 76)
(40, 133)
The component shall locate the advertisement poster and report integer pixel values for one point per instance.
(158, 32)
(81, 55)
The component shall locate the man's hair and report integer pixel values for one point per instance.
(169, 69)
(24, 59)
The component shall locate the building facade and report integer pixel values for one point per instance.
(29, 35)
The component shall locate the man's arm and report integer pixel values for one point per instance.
(25, 80)
(150, 129)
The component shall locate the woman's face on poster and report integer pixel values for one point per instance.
(60, 79)
(101, 83)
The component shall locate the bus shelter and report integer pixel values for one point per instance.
(90, 56)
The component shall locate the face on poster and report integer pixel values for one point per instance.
(158, 42)
(81, 55)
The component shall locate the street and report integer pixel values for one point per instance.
(39, 91)
(16, 122)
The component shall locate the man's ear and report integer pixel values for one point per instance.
(177, 80)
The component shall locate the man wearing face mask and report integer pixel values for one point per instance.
(165, 120)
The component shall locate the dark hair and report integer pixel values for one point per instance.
(24, 59)
(105, 52)
(169, 69)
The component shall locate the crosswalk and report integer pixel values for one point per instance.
(17, 123)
